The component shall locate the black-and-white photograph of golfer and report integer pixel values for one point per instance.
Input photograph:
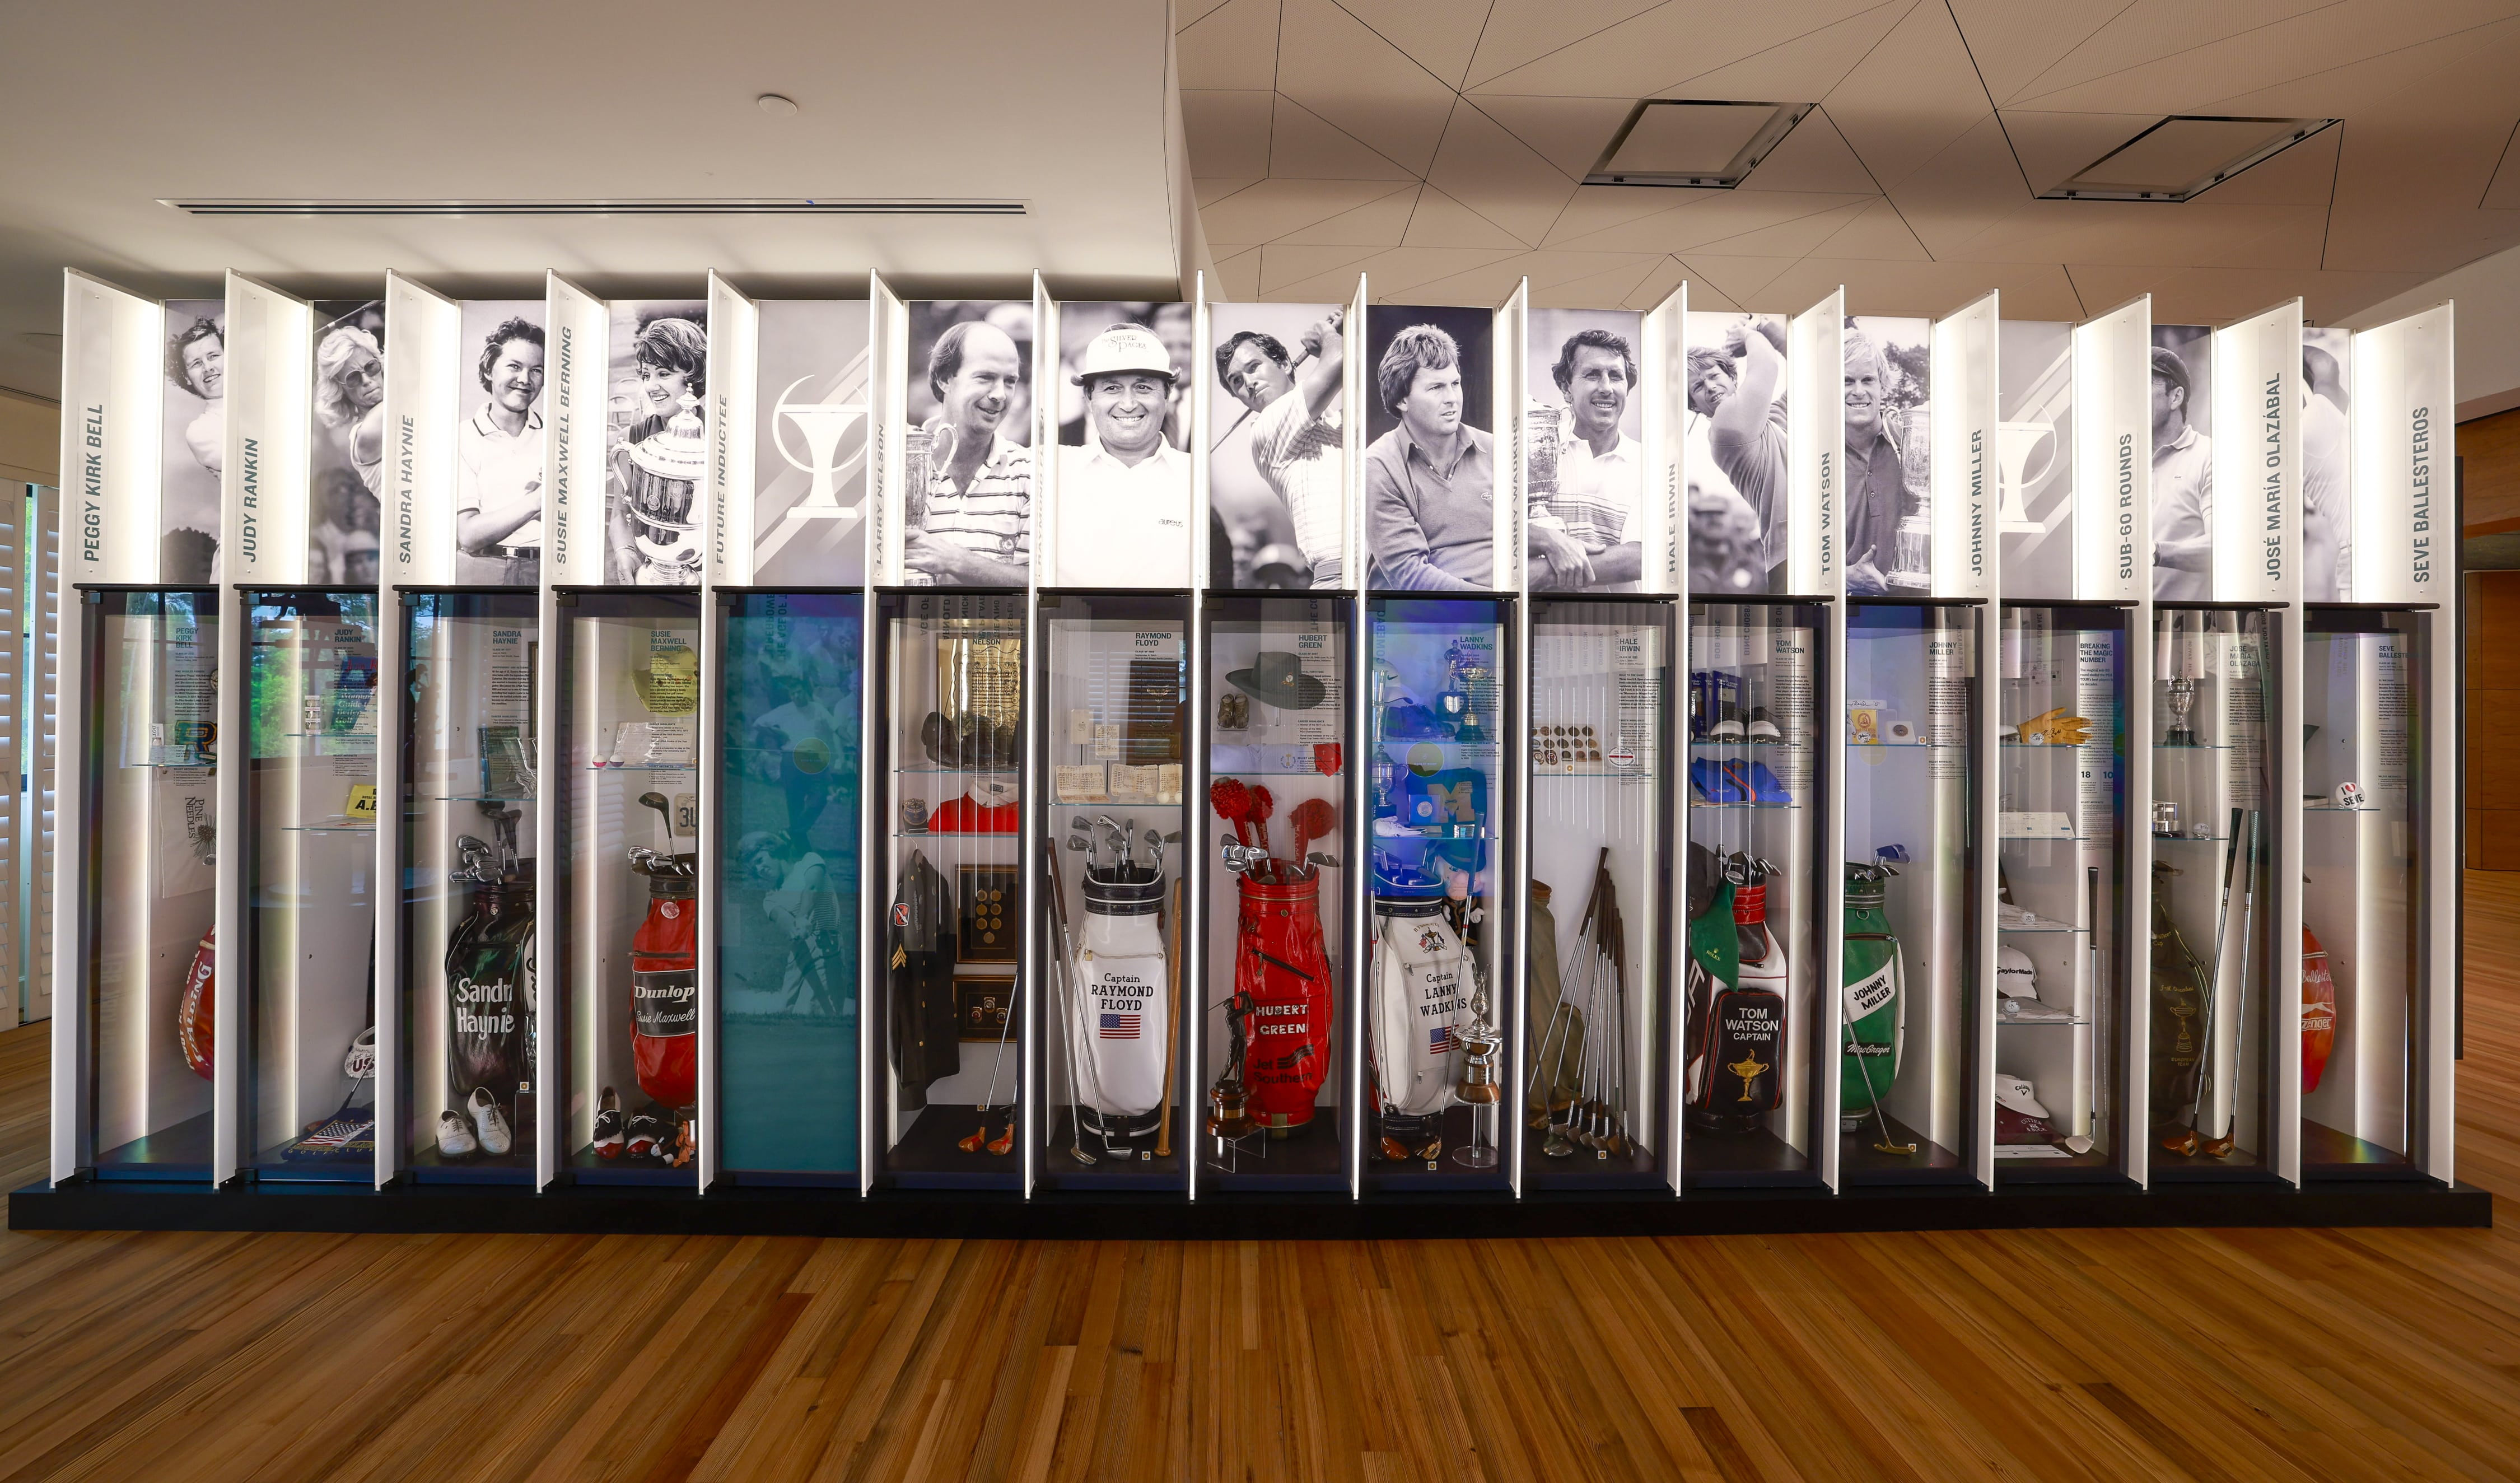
(1889, 452)
(348, 466)
(1124, 475)
(1275, 485)
(1430, 466)
(499, 448)
(967, 460)
(657, 442)
(196, 440)
(2326, 472)
(1586, 522)
(1736, 427)
(2183, 463)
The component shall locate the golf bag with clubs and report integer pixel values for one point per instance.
(665, 982)
(489, 988)
(1736, 1001)
(1874, 1007)
(1281, 971)
(1121, 1022)
(1418, 998)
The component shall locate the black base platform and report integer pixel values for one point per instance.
(122, 1205)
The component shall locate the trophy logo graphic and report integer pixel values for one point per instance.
(822, 423)
(1748, 1068)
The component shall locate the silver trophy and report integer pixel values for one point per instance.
(2179, 696)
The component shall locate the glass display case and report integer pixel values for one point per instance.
(947, 744)
(2061, 914)
(787, 902)
(1112, 677)
(1753, 1034)
(628, 812)
(1435, 1011)
(1597, 978)
(2365, 830)
(310, 837)
(469, 1004)
(2213, 907)
(151, 827)
(1273, 1106)
(1908, 1005)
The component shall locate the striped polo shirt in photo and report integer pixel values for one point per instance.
(1299, 454)
(994, 516)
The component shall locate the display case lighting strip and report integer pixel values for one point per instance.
(659, 207)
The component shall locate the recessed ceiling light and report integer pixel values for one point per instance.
(1693, 143)
(776, 104)
(2182, 156)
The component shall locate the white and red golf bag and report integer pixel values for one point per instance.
(664, 993)
(1418, 995)
(1117, 1034)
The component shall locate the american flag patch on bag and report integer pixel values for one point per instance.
(1119, 1026)
(1441, 1041)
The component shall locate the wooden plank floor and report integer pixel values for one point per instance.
(2100, 1355)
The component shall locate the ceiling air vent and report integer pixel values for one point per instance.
(1691, 144)
(696, 206)
(2181, 158)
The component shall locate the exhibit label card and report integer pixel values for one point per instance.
(2113, 455)
(111, 414)
(1966, 430)
(2257, 458)
(575, 372)
(2404, 522)
(1815, 427)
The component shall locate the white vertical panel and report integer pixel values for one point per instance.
(2113, 455)
(2257, 458)
(14, 541)
(734, 383)
(266, 485)
(888, 397)
(1509, 377)
(1967, 416)
(1662, 382)
(1816, 450)
(43, 712)
(577, 324)
(2403, 413)
(1358, 914)
(424, 373)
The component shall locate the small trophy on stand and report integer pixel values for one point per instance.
(1479, 1086)
(921, 453)
(2181, 696)
(1229, 1112)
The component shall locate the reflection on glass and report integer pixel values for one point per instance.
(1601, 698)
(1437, 790)
(467, 896)
(2363, 833)
(629, 816)
(1910, 970)
(1754, 781)
(152, 831)
(1275, 951)
(2213, 892)
(949, 695)
(311, 802)
(787, 941)
(2059, 912)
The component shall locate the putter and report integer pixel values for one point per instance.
(2189, 1142)
(1067, 958)
(2221, 1148)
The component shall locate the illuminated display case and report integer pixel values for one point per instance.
(2215, 825)
(626, 798)
(1274, 1105)
(471, 1016)
(1436, 1005)
(1755, 776)
(1597, 935)
(1906, 1046)
(310, 836)
(2062, 913)
(146, 885)
(946, 741)
(788, 903)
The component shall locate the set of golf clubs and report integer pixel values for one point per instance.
(1119, 841)
(1596, 979)
(664, 862)
(2243, 858)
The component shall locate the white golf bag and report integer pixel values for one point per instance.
(1121, 1023)
(1419, 1001)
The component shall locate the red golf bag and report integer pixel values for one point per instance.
(664, 993)
(194, 1022)
(1283, 971)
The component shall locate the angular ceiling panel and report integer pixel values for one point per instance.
(1877, 232)
(1304, 145)
(1570, 133)
(1715, 217)
(1282, 264)
(2014, 41)
(1375, 224)
(1239, 277)
(1335, 66)
(1641, 57)
(1911, 97)
(1597, 208)
(1440, 222)
(1517, 31)
(1438, 36)
(1273, 208)
(1499, 176)
(1799, 70)
(1739, 282)
(1815, 156)
(2198, 79)
(1666, 274)
(1232, 46)
(1228, 131)
(2052, 146)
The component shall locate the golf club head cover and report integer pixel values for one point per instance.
(2317, 1011)
(1282, 969)
(664, 995)
(1418, 994)
(195, 1013)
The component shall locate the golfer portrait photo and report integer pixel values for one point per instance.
(2326, 473)
(656, 434)
(349, 464)
(195, 439)
(1277, 505)
(2183, 465)
(1124, 490)
(1585, 515)
(1889, 540)
(966, 520)
(499, 449)
(1736, 434)
(1430, 479)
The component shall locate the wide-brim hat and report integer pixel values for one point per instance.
(2016, 1093)
(1124, 350)
(1277, 678)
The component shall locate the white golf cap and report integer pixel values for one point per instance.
(2017, 1093)
(2015, 977)
(1122, 349)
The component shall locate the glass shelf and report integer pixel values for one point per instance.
(2007, 1022)
(331, 827)
(2190, 746)
(2049, 929)
(1703, 803)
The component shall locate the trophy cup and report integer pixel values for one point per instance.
(822, 423)
(1912, 548)
(2180, 695)
(1478, 1088)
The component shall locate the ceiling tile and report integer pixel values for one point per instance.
(2054, 147)
(1815, 156)
(1641, 57)
(1523, 31)
(1228, 131)
(1281, 266)
(2303, 175)
(1375, 224)
(1610, 289)
(1570, 133)
(1233, 46)
(1210, 188)
(1549, 269)
(1303, 145)
(1801, 69)
(1876, 232)
(2219, 296)
(1273, 208)
(2502, 192)
(2228, 62)
(2031, 291)
(1488, 285)
(1661, 277)
(1791, 239)
(2148, 30)
(1911, 97)
(1239, 277)
(1737, 282)
(1440, 222)
(1437, 34)
(1389, 276)
(1711, 217)
(1595, 209)
(1965, 189)
(2014, 41)
(1335, 66)
(1497, 175)
(2473, 66)
(1187, 12)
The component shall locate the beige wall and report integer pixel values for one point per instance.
(30, 438)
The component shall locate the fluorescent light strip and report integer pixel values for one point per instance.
(656, 207)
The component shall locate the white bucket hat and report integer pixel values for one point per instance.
(1123, 349)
